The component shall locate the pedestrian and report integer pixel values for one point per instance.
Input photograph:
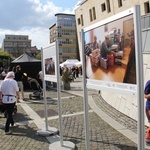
(8, 92)
(73, 70)
(18, 77)
(3, 74)
(40, 78)
(147, 96)
(77, 71)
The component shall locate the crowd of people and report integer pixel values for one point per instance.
(13, 79)
(10, 89)
(19, 75)
(75, 71)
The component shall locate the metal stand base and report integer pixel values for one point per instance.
(67, 145)
(50, 131)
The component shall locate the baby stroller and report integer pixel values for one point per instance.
(3, 110)
(38, 92)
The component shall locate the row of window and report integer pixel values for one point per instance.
(66, 32)
(66, 24)
(67, 41)
(65, 18)
(17, 45)
(64, 58)
(17, 38)
(63, 32)
(67, 50)
(13, 50)
(64, 41)
(92, 11)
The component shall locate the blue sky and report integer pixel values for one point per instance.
(63, 3)
(32, 18)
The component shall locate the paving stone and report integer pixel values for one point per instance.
(102, 136)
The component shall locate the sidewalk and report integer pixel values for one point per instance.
(122, 123)
(30, 116)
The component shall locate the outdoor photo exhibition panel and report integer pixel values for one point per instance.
(111, 50)
(110, 53)
(51, 72)
(49, 63)
(48, 57)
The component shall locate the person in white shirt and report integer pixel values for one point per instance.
(8, 92)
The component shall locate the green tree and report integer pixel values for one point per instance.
(38, 56)
(5, 53)
(5, 58)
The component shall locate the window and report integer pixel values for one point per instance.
(146, 7)
(94, 13)
(119, 3)
(108, 6)
(90, 12)
(82, 20)
(79, 22)
(103, 7)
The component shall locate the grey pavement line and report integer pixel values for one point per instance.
(18, 123)
(122, 129)
(79, 93)
(48, 99)
(35, 117)
(68, 115)
(113, 123)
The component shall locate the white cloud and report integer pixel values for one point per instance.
(28, 17)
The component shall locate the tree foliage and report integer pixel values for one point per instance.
(38, 56)
(4, 53)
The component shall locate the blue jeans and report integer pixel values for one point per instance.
(9, 120)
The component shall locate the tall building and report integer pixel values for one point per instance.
(64, 30)
(90, 12)
(16, 44)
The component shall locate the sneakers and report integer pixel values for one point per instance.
(8, 132)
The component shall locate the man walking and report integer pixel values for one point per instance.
(8, 92)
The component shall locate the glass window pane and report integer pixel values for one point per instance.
(147, 47)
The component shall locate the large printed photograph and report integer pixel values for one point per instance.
(50, 66)
(49, 63)
(110, 51)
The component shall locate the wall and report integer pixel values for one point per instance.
(126, 104)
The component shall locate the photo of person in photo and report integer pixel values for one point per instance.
(106, 47)
(49, 66)
(110, 54)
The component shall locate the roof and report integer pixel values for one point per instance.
(64, 14)
(25, 57)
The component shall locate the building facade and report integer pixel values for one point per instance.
(64, 30)
(16, 44)
(90, 12)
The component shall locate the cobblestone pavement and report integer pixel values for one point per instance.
(102, 135)
(24, 136)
